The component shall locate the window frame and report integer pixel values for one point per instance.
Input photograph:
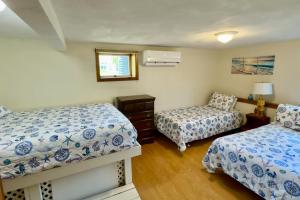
(98, 52)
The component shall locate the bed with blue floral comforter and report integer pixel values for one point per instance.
(35, 141)
(188, 124)
(266, 160)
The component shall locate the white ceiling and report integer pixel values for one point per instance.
(12, 26)
(189, 23)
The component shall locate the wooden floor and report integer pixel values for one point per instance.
(161, 172)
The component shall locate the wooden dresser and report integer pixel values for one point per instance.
(139, 110)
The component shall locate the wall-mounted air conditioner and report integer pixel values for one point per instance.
(159, 58)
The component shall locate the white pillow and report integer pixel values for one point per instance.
(234, 103)
(4, 111)
(288, 116)
(216, 100)
(222, 101)
(297, 123)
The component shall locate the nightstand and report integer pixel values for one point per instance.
(255, 121)
(139, 110)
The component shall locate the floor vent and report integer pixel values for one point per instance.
(46, 189)
(15, 195)
(121, 173)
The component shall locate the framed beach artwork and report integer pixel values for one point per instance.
(262, 65)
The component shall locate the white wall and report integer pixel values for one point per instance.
(33, 75)
(286, 78)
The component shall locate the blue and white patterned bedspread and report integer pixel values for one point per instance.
(266, 160)
(39, 140)
(188, 124)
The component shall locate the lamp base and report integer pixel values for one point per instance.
(260, 108)
(259, 113)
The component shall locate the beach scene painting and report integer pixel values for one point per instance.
(262, 65)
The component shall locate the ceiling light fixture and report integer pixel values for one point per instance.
(2, 6)
(226, 36)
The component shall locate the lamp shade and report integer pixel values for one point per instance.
(263, 89)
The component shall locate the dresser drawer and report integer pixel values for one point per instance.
(138, 107)
(145, 136)
(140, 116)
(143, 125)
(134, 107)
(128, 108)
(148, 133)
(149, 105)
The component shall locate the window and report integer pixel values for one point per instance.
(116, 65)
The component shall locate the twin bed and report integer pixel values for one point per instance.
(68, 149)
(184, 125)
(265, 160)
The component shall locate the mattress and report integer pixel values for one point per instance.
(187, 124)
(266, 160)
(35, 141)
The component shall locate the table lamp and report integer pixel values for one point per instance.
(261, 90)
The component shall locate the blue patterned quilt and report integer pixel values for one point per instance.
(266, 160)
(34, 141)
(188, 124)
